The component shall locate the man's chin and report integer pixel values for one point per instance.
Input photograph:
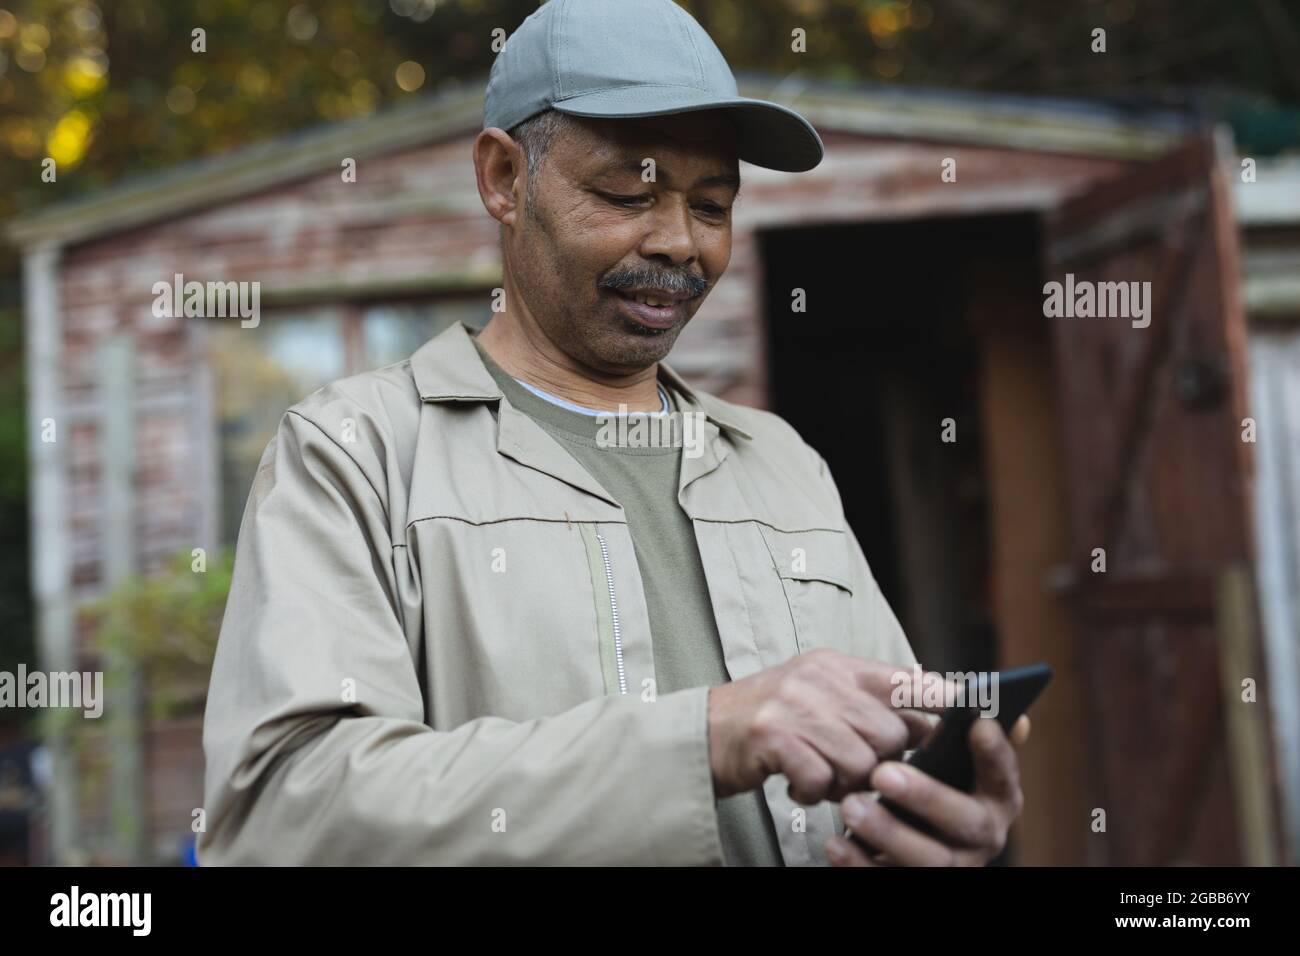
(636, 345)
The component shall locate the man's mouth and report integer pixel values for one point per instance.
(657, 310)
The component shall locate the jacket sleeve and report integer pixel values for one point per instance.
(315, 737)
(874, 621)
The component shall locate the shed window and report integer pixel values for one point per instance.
(261, 371)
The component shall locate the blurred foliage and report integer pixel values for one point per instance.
(17, 637)
(111, 88)
(117, 87)
(167, 624)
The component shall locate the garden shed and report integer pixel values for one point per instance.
(922, 244)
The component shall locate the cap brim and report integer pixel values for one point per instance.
(767, 134)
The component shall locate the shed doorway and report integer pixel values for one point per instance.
(922, 371)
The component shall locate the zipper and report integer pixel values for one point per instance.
(613, 613)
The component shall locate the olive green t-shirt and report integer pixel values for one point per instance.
(687, 648)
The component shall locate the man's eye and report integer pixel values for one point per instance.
(712, 209)
(625, 200)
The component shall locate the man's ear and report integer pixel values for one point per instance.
(501, 171)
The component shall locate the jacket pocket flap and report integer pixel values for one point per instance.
(816, 554)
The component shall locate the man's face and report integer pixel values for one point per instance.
(598, 236)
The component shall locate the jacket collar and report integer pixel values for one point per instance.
(448, 368)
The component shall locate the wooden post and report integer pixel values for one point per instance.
(51, 553)
(1246, 723)
(117, 455)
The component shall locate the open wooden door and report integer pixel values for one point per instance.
(1158, 478)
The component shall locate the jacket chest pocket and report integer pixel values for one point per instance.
(815, 574)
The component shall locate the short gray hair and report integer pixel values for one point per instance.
(534, 135)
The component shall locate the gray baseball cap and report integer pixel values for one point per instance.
(628, 58)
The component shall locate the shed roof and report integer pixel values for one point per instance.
(1084, 127)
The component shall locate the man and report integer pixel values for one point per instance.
(468, 626)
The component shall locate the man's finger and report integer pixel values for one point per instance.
(962, 819)
(851, 753)
(913, 688)
(886, 730)
(842, 852)
(890, 835)
(997, 770)
(1020, 731)
(919, 727)
(808, 773)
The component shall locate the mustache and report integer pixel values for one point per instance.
(686, 283)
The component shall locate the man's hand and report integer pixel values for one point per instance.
(824, 719)
(972, 827)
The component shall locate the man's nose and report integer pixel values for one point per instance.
(671, 233)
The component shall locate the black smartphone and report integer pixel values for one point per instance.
(946, 754)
